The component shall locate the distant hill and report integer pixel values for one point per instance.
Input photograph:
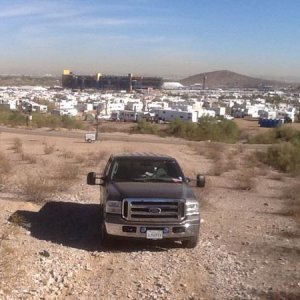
(228, 79)
(7, 80)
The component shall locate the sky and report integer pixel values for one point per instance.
(169, 38)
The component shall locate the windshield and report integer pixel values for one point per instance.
(146, 170)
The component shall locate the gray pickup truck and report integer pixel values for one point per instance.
(147, 196)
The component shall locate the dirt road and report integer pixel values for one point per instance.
(249, 248)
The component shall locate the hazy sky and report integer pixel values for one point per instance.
(172, 38)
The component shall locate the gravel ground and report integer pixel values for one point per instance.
(249, 249)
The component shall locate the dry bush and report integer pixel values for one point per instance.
(3, 181)
(29, 157)
(214, 151)
(5, 165)
(38, 188)
(221, 166)
(67, 172)
(48, 149)
(291, 195)
(67, 154)
(245, 179)
(5, 169)
(8, 268)
(203, 195)
(94, 159)
(253, 159)
(198, 148)
(276, 176)
(17, 145)
(80, 159)
(223, 160)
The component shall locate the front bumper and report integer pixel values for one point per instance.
(119, 227)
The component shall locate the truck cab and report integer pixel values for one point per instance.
(147, 196)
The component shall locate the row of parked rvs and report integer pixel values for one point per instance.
(156, 115)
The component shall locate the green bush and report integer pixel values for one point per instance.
(276, 135)
(285, 157)
(145, 127)
(16, 118)
(12, 118)
(206, 129)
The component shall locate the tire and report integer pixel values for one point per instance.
(104, 237)
(89, 140)
(191, 242)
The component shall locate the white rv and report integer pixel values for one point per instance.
(170, 115)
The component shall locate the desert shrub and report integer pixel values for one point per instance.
(145, 127)
(12, 118)
(29, 157)
(276, 176)
(17, 146)
(80, 159)
(291, 196)
(245, 180)
(276, 135)
(38, 188)
(48, 149)
(8, 269)
(52, 121)
(263, 138)
(67, 154)
(94, 159)
(284, 157)
(5, 165)
(67, 172)
(5, 169)
(206, 129)
(16, 118)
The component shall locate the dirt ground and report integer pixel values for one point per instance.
(249, 247)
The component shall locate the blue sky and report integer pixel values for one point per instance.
(171, 38)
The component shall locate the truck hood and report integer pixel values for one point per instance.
(121, 190)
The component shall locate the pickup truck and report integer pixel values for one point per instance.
(147, 196)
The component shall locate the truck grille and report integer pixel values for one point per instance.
(153, 209)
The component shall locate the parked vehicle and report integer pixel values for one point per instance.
(270, 123)
(147, 196)
(90, 137)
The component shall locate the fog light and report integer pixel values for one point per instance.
(166, 230)
(143, 229)
(178, 229)
(129, 229)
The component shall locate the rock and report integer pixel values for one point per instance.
(44, 253)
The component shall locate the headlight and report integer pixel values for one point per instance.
(192, 207)
(113, 207)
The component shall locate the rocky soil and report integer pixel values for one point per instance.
(249, 248)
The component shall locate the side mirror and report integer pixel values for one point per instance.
(200, 180)
(91, 178)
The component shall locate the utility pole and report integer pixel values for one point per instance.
(97, 123)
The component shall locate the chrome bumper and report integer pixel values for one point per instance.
(190, 230)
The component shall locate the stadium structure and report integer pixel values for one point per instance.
(109, 82)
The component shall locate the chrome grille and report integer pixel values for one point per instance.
(153, 209)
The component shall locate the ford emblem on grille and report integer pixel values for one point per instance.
(154, 210)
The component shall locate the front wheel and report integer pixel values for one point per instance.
(191, 242)
(106, 240)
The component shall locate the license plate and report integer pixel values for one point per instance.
(154, 234)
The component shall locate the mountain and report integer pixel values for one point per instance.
(228, 79)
